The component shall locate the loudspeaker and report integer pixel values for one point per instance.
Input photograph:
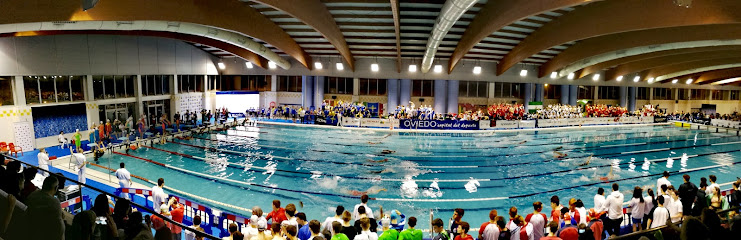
(334, 97)
(676, 101)
(421, 100)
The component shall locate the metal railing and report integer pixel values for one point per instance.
(116, 198)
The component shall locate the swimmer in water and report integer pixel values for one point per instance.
(387, 170)
(370, 191)
(589, 160)
(386, 151)
(558, 148)
(522, 142)
(559, 155)
(378, 161)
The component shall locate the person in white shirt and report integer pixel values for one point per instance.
(291, 215)
(579, 207)
(63, 142)
(676, 208)
(664, 180)
(364, 203)
(365, 233)
(614, 205)
(158, 193)
(637, 208)
(43, 158)
(80, 164)
(536, 221)
(124, 179)
(661, 215)
(599, 200)
(251, 230)
(713, 185)
(327, 225)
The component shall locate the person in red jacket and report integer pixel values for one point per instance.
(177, 216)
(278, 214)
(463, 232)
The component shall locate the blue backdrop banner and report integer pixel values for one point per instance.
(48, 121)
(438, 124)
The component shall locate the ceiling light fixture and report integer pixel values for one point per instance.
(438, 68)
(675, 81)
(374, 67)
(571, 76)
(554, 75)
(412, 68)
(595, 77)
(523, 73)
(619, 78)
(477, 70)
(318, 65)
(272, 65)
(650, 80)
(221, 65)
(249, 65)
(689, 81)
(340, 66)
(637, 78)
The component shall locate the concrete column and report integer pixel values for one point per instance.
(392, 100)
(405, 92)
(440, 96)
(319, 82)
(539, 93)
(650, 95)
(273, 83)
(138, 93)
(632, 98)
(356, 89)
(623, 91)
(307, 91)
(573, 94)
(19, 96)
(175, 85)
(565, 94)
(595, 94)
(453, 86)
(492, 90)
(89, 92)
(528, 96)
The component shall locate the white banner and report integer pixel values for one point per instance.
(379, 123)
(485, 124)
(527, 124)
(507, 124)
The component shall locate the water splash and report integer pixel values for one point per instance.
(472, 186)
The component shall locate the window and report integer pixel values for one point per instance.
(423, 88)
(214, 82)
(552, 91)
(507, 90)
(338, 85)
(699, 94)
(642, 93)
(51, 89)
(6, 91)
(372, 86)
(110, 87)
(259, 82)
(734, 95)
(683, 94)
(663, 94)
(473, 89)
(153, 85)
(720, 94)
(585, 92)
(190, 83)
(289, 84)
(608, 92)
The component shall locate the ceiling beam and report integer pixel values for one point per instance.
(620, 61)
(670, 72)
(717, 75)
(649, 63)
(315, 14)
(224, 14)
(610, 17)
(615, 44)
(397, 29)
(496, 15)
(237, 51)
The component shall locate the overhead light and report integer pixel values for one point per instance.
(221, 65)
(438, 68)
(637, 78)
(689, 81)
(412, 68)
(554, 75)
(318, 65)
(650, 80)
(374, 67)
(730, 80)
(571, 76)
(523, 73)
(249, 65)
(595, 77)
(675, 80)
(477, 70)
(271, 65)
(619, 78)
(546, 85)
(44, 77)
(340, 66)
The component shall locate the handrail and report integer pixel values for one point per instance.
(117, 198)
(668, 224)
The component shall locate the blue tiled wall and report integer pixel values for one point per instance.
(48, 121)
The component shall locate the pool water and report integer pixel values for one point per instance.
(320, 168)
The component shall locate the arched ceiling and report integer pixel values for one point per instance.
(608, 37)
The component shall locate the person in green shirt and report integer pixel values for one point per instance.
(388, 233)
(411, 233)
(439, 229)
(337, 232)
(78, 138)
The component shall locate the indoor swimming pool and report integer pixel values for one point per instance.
(416, 173)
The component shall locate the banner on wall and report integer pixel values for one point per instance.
(438, 124)
(321, 120)
(660, 119)
(379, 122)
(507, 124)
(533, 107)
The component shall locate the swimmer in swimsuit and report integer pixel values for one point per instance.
(378, 161)
(371, 191)
(558, 148)
(589, 160)
(386, 151)
(522, 142)
(387, 170)
(559, 155)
